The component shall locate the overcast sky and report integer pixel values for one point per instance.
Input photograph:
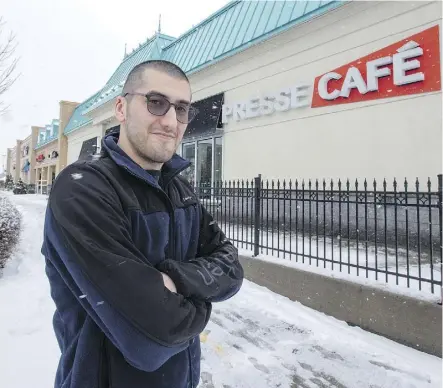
(69, 48)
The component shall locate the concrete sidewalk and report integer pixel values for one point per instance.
(260, 339)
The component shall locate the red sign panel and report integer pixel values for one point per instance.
(410, 66)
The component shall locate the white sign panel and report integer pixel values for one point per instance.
(294, 97)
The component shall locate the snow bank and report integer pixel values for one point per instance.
(10, 221)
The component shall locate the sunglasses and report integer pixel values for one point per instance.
(159, 105)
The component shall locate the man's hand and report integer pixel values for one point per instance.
(169, 284)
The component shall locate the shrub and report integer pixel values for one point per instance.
(10, 221)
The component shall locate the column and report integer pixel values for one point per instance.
(66, 110)
(18, 157)
(37, 180)
(45, 178)
(32, 154)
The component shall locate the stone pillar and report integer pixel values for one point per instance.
(38, 180)
(66, 110)
(32, 154)
(9, 161)
(18, 156)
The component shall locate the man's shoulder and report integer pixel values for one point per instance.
(80, 174)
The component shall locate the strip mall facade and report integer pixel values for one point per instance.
(305, 90)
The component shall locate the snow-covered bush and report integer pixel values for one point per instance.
(10, 220)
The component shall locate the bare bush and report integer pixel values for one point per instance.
(8, 63)
(10, 220)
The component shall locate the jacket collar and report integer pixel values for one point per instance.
(169, 170)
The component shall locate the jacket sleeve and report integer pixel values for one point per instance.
(87, 239)
(215, 274)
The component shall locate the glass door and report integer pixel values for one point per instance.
(218, 161)
(206, 157)
(204, 166)
(188, 153)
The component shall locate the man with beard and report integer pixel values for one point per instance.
(133, 259)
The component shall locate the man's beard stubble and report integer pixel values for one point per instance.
(139, 146)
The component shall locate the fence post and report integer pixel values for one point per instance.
(440, 221)
(257, 216)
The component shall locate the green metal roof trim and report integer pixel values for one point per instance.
(233, 28)
(47, 134)
(237, 26)
(150, 50)
(77, 119)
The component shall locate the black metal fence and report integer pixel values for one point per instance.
(364, 229)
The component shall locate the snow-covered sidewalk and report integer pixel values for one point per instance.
(257, 339)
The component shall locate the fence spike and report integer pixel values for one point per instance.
(272, 184)
(309, 184)
(284, 183)
(375, 185)
(296, 184)
(384, 184)
(303, 184)
(365, 184)
(332, 184)
(324, 184)
(417, 184)
(406, 185)
(267, 183)
(429, 184)
(316, 184)
(339, 183)
(395, 184)
(356, 184)
(278, 183)
(348, 184)
(290, 183)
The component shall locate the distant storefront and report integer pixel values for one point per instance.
(46, 157)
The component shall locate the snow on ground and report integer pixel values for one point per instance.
(257, 339)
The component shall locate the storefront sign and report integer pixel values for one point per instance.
(410, 66)
(296, 96)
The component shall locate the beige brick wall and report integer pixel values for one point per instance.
(66, 110)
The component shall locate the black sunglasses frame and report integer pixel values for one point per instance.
(148, 95)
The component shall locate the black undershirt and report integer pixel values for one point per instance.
(155, 174)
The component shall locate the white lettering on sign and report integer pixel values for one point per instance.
(296, 96)
(375, 69)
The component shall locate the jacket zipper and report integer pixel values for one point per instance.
(171, 248)
(191, 378)
(104, 370)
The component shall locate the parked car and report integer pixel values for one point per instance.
(20, 188)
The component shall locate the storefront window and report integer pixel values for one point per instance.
(218, 161)
(204, 163)
(188, 153)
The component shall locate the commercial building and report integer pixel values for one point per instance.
(302, 95)
(296, 89)
(11, 162)
(51, 149)
(21, 158)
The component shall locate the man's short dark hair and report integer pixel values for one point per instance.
(135, 76)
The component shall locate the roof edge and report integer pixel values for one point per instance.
(203, 22)
(45, 144)
(321, 11)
